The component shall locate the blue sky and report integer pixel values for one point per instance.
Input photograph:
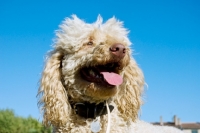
(166, 43)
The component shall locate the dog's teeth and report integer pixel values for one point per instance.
(91, 73)
(111, 65)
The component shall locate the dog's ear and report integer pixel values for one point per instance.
(129, 98)
(52, 94)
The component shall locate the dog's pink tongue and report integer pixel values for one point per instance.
(112, 78)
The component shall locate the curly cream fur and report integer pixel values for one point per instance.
(129, 98)
(61, 82)
(54, 98)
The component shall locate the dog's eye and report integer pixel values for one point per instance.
(90, 43)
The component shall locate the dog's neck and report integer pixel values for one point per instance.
(90, 110)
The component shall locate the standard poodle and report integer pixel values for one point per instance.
(91, 83)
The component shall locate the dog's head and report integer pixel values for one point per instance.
(90, 62)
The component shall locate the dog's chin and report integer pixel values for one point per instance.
(98, 92)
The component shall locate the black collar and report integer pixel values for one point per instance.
(91, 110)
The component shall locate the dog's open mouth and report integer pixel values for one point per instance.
(103, 74)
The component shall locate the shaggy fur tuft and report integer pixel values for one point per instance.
(80, 50)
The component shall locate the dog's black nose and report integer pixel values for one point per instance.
(118, 50)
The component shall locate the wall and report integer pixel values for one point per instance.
(187, 131)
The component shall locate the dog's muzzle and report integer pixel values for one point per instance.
(107, 74)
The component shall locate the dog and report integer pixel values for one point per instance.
(91, 82)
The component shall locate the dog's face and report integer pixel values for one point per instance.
(95, 56)
(90, 62)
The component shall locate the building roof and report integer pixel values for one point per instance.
(190, 125)
(180, 126)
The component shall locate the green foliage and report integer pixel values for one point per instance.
(9, 123)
